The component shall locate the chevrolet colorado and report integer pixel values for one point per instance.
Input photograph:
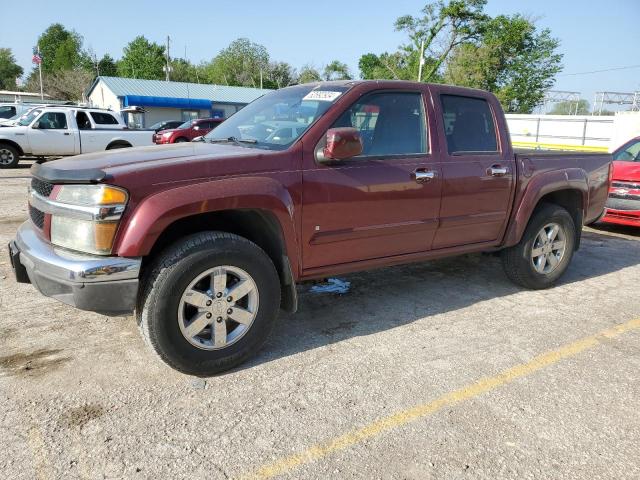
(206, 241)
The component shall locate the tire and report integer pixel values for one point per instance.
(181, 140)
(521, 264)
(9, 156)
(163, 314)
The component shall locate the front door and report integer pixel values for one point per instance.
(50, 134)
(477, 179)
(382, 203)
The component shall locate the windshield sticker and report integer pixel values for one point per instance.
(322, 95)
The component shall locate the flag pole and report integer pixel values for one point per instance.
(40, 70)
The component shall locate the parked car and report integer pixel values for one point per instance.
(62, 131)
(187, 131)
(13, 111)
(206, 241)
(165, 125)
(623, 205)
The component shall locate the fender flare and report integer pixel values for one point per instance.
(543, 184)
(154, 214)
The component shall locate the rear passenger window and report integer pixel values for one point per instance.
(103, 118)
(389, 123)
(468, 125)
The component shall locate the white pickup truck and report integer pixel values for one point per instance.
(61, 131)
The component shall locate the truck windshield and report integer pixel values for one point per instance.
(27, 118)
(277, 119)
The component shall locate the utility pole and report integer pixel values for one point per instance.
(421, 61)
(168, 67)
(260, 78)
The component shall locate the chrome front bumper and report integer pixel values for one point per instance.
(107, 285)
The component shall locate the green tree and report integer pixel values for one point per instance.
(142, 59)
(336, 70)
(61, 49)
(183, 70)
(280, 75)
(441, 27)
(512, 59)
(107, 66)
(241, 64)
(308, 74)
(9, 70)
(570, 108)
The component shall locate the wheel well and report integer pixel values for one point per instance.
(572, 201)
(118, 143)
(258, 226)
(12, 144)
(181, 138)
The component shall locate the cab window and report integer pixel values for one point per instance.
(468, 125)
(390, 123)
(52, 121)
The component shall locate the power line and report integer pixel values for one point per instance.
(628, 67)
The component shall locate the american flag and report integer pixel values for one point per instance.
(37, 58)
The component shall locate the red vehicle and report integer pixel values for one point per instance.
(623, 205)
(305, 182)
(187, 131)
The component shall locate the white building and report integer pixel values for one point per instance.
(164, 100)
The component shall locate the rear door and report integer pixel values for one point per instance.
(477, 177)
(382, 203)
(52, 134)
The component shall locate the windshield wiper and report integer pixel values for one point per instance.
(235, 140)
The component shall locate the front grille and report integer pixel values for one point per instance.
(41, 188)
(37, 217)
(623, 204)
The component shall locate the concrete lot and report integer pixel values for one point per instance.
(436, 370)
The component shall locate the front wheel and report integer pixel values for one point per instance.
(9, 156)
(545, 250)
(209, 303)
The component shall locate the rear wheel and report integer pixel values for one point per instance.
(113, 146)
(209, 303)
(9, 156)
(545, 250)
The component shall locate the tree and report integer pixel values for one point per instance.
(183, 70)
(441, 28)
(9, 70)
(280, 75)
(241, 63)
(570, 108)
(60, 48)
(512, 59)
(62, 85)
(142, 59)
(336, 70)
(308, 74)
(107, 66)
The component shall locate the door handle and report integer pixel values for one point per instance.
(498, 171)
(66, 133)
(424, 176)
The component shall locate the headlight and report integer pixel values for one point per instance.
(87, 217)
(167, 135)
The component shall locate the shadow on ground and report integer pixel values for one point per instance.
(396, 296)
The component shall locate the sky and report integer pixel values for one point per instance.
(594, 35)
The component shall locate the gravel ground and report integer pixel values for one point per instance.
(82, 397)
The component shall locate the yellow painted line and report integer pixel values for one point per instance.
(404, 417)
(558, 146)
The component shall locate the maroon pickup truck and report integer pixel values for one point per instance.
(206, 241)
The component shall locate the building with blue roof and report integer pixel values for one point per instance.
(162, 100)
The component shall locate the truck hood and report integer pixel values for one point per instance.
(626, 171)
(139, 157)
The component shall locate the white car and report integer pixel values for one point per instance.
(61, 131)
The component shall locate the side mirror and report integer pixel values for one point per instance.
(342, 143)
(36, 124)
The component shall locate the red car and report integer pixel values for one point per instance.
(187, 131)
(623, 205)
